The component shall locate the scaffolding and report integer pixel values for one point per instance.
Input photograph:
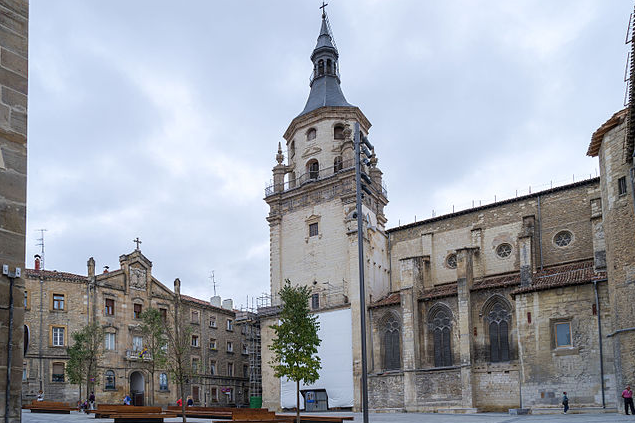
(251, 330)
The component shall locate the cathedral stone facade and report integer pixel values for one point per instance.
(57, 304)
(496, 307)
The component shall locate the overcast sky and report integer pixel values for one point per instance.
(162, 122)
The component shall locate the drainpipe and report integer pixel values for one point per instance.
(597, 307)
(540, 233)
(7, 391)
(40, 332)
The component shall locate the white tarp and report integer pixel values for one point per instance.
(336, 353)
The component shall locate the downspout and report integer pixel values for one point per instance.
(540, 233)
(40, 333)
(597, 308)
(7, 391)
(372, 350)
(389, 264)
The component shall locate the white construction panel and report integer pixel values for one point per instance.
(336, 353)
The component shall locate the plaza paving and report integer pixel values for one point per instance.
(74, 417)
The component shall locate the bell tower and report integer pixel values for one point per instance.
(312, 217)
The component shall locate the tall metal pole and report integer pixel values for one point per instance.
(362, 291)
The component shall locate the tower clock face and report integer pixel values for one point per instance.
(137, 278)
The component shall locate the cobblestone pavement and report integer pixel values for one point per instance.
(74, 417)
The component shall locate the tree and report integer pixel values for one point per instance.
(296, 340)
(153, 329)
(84, 356)
(179, 337)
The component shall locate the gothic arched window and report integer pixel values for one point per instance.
(313, 168)
(440, 324)
(497, 318)
(391, 342)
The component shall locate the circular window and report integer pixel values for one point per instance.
(504, 250)
(451, 261)
(563, 238)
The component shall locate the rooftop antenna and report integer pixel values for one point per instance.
(40, 243)
(214, 283)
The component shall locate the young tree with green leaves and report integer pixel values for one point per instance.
(155, 340)
(179, 336)
(296, 340)
(84, 354)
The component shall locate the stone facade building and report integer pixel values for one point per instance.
(58, 304)
(501, 306)
(14, 35)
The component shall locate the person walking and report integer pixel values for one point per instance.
(565, 402)
(627, 394)
(91, 400)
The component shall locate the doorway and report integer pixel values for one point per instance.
(137, 388)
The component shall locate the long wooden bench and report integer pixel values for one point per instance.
(49, 407)
(108, 410)
(141, 417)
(311, 418)
(255, 415)
(203, 412)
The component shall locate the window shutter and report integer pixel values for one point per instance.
(447, 351)
(494, 346)
(504, 341)
(438, 358)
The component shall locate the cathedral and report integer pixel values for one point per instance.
(497, 307)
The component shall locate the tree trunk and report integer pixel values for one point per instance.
(183, 400)
(152, 386)
(80, 394)
(297, 401)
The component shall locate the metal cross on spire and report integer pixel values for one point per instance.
(137, 241)
(323, 7)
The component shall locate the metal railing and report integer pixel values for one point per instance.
(314, 176)
(315, 75)
(138, 355)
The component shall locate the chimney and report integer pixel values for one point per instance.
(215, 301)
(91, 267)
(38, 262)
(228, 304)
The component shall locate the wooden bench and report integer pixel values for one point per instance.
(256, 415)
(141, 417)
(107, 410)
(203, 412)
(311, 418)
(49, 407)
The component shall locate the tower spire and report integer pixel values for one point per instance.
(325, 78)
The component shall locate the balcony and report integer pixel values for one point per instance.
(138, 355)
(314, 176)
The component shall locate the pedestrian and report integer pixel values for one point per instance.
(565, 402)
(179, 402)
(40, 395)
(91, 400)
(190, 401)
(127, 400)
(627, 394)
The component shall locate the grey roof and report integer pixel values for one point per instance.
(325, 91)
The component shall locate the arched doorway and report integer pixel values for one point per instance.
(137, 388)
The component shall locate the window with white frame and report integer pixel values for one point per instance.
(109, 341)
(230, 325)
(137, 343)
(230, 346)
(58, 336)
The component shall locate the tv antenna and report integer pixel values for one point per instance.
(40, 243)
(214, 283)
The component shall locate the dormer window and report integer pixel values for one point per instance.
(311, 134)
(338, 132)
(313, 169)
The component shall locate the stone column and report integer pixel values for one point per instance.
(597, 228)
(410, 282)
(525, 250)
(464, 281)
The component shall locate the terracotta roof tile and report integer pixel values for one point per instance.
(564, 275)
(54, 274)
(438, 292)
(497, 282)
(598, 135)
(390, 299)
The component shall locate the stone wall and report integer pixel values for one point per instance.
(385, 392)
(14, 27)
